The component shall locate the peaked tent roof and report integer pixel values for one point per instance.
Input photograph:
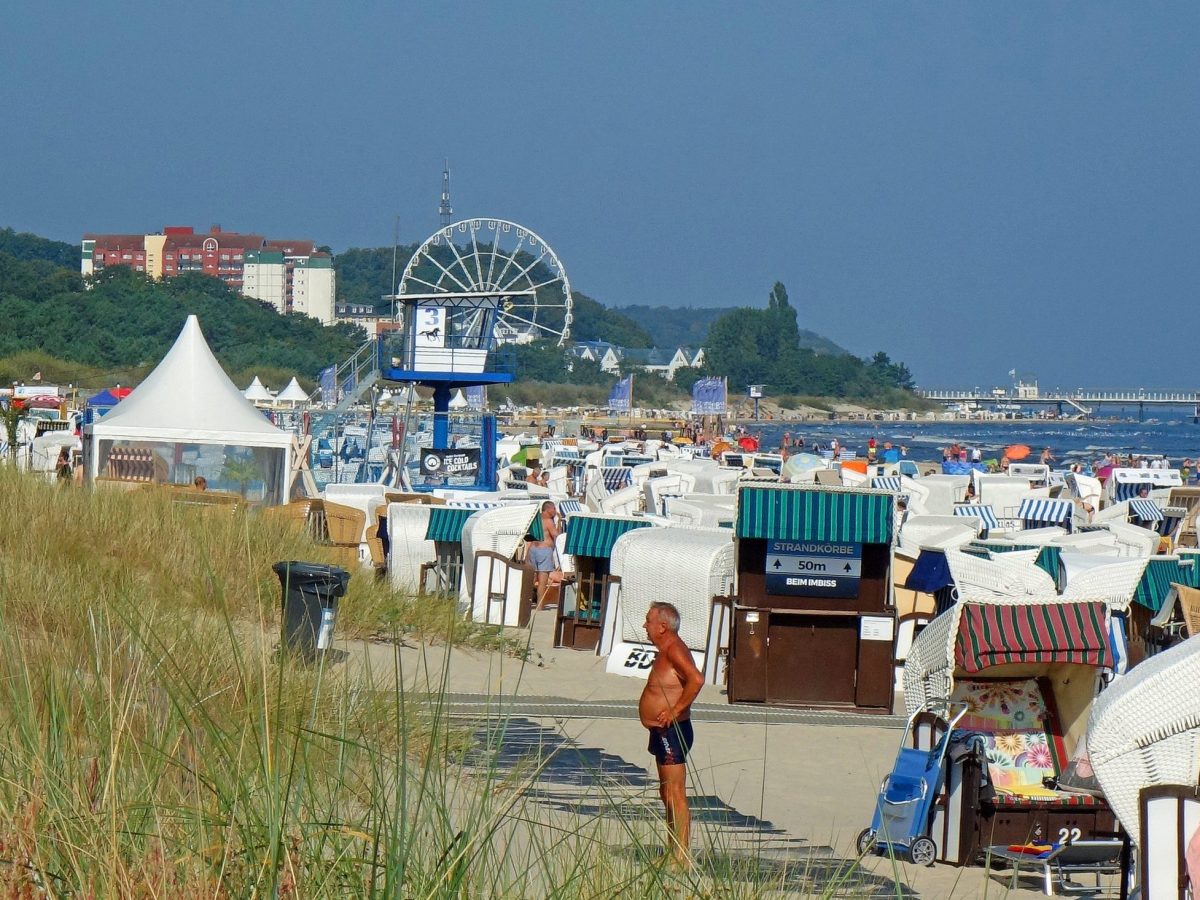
(293, 393)
(188, 398)
(458, 401)
(256, 391)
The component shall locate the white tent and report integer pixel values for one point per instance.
(293, 393)
(187, 418)
(257, 392)
(458, 401)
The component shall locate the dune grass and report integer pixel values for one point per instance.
(154, 743)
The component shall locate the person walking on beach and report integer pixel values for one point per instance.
(541, 553)
(665, 709)
(63, 467)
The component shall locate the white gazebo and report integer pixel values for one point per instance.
(458, 401)
(292, 394)
(188, 419)
(257, 392)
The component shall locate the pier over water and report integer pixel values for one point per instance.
(1088, 402)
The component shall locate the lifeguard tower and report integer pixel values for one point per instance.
(447, 342)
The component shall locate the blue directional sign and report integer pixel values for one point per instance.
(813, 568)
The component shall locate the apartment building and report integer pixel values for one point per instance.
(259, 267)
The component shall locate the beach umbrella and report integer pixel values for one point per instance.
(748, 443)
(1016, 451)
(681, 440)
(799, 463)
(720, 447)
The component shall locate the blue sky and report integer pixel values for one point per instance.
(971, 187)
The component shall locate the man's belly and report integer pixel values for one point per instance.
(656, 699)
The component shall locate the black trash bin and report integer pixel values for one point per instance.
(310, 595)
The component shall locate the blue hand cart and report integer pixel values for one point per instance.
(900, 826)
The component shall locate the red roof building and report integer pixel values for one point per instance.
(221, 254)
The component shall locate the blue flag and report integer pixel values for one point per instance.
(476, 395)
(621, 397)
(328, 381)
(708, 396)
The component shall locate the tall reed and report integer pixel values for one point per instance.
(154, 743)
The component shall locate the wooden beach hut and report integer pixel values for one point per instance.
(814, 622)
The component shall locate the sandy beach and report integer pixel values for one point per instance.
(768, 786)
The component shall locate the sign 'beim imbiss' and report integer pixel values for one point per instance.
(813, 568)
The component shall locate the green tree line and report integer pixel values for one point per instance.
(762, 346)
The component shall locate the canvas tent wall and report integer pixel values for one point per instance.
(188, 415)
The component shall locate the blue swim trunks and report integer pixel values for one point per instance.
(542, 559)
(670, 745)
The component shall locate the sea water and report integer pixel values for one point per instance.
(1069, 441)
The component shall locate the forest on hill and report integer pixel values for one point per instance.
(114, 328)
(119, 328)
(687, 326)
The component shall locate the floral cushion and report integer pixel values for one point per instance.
(1012, 717)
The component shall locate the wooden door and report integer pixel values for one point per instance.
(812, 659)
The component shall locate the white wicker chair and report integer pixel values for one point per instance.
(1133, 540)
(684, 566)
(1115, 584)
(498, 530)
(917, 531)
(985, 579)
(1145, 730)
(708, 510)
(625, 502)
(407, 524)
(1021, 565)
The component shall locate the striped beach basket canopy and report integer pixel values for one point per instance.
(590, 535)
(979, 633)
(616, 477)
(981, 511)
(775, 511)
(1039, 513)
(1146, 510)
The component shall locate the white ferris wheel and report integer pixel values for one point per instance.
(496, 258)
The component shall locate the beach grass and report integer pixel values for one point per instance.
(155, 742)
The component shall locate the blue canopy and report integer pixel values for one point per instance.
(104, 398)
(955, 467)
(930, 573)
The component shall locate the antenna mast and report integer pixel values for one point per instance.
(445, 210)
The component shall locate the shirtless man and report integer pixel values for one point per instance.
(541, 553)
(665, 709)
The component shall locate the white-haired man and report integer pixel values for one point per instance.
(666, 710)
